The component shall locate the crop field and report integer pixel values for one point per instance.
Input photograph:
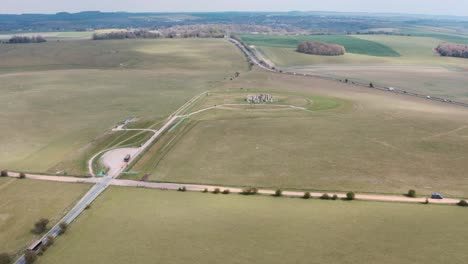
(417, 69)
(59, 98)
(352, 44)
(366, 141)
(23, 202)
(174, 227)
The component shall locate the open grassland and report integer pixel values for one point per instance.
(23, 202)
(58, 98)
(52, 36)
(352, 44)
(418, 69)
(174, 227)
(370, 141)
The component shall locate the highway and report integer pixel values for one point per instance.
(251, 58)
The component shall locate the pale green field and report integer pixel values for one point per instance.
(370, 142)
(23, 202)
(418, 69)
(129, 225)
(58, 97)
(52, 36)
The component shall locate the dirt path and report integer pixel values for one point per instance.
(210, 188)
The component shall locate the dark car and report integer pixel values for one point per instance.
(437, 196)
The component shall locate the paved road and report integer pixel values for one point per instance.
(100, 185)
(252, 58)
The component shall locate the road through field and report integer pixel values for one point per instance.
(100, 185)
(258, 62)
(211, 188)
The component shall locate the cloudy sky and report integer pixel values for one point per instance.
(445, 7)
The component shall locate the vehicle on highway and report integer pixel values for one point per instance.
(437, 196)
(127, 158)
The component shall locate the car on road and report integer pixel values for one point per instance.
(127, 158)
(437, 196)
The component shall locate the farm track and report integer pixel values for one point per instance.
(252, 58)
(211, 188)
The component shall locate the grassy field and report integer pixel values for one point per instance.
(52, 36)
(174, 227)
(352, 44)
(23, 202)
(418, 68)
(60, 97)
(372, 142)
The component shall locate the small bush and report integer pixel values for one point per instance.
(22, 175)
(411, 193)
(205, 190)
(5, 258)
(306, 195)
(463, 203)
(63, 228)
(426, 201)
(4, 173)
(50, 241)
(182, 189)
(278, 193)
(371, 85)
(40, 226)
(88, 206)
(350, 196)
(216, 191)
(325, 196)
(249, 191)
(30, 257)
(334, 197)
(226, 191)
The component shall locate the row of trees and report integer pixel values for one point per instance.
(127, 35)
(24, 39)
(453, 50)
(320, 48)
(167, 33)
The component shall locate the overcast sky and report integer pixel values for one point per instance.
(445, 7)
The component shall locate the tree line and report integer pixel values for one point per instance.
(126, 35)
(320, 48)
(453, 50)
(134, 34)
(24, 39)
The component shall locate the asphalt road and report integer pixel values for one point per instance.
(99, 186)
(252, 58)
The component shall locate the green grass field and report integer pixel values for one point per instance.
(128, 225)
(59, 97)
(352, 44)
(372, 142)
(418, 69)
(23, 202)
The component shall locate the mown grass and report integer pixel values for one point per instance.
(57, 97)
(352, 45)
(419, 69)
(23, 202)
(374, 142)
(174, 227)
